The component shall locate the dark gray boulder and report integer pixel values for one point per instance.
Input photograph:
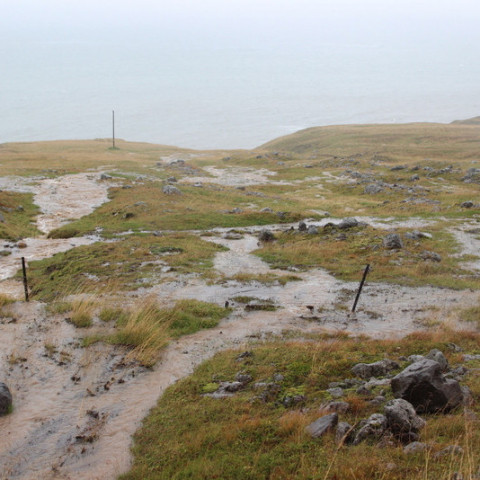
(423, 385)
(302, 227)
(376, 369)
(402, 420)
(348, 222)
(5, 399)
(322, 425)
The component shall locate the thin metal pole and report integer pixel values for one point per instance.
(113, 128)
(365, 273)
(25, 283)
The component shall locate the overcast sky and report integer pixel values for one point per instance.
(250, 21)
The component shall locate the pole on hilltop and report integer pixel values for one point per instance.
(113, 129)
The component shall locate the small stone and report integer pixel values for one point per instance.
(302, 227)
(335, 392)
(243, 378)
(323, 425)
(348, 222)
(373, 189)
(278, 377)
(339, 407)
(468, 204)
(451, 450)
(21, 245)
(171, 180)
(266, 210)
(105, 176)
(432, 256)
(312, 230)
(171, 190)
(438, 357)
(415, 447)
(392, 242)
(372, 428)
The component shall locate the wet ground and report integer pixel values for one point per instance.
(76, 408)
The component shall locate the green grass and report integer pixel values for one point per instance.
(18, 212)
(189, 435)
(129, 263)
(148, 329)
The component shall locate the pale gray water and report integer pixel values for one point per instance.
(207, 95)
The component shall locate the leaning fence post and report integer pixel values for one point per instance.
(365, 273)
(25, 283)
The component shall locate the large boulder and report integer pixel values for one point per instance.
(402, 420)
(423, 385)
(348, 222)
(5, 399)
(376, 369)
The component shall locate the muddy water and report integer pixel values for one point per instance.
(61, 200)
(69, 197)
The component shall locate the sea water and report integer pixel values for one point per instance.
(223, 96)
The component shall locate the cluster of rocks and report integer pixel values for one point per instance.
(5, 399)
(427, 385)
(472, 176)
(393, 241)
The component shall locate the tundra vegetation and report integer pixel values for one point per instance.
(166, 203)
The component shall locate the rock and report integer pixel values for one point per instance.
(451, 450)
(339, 407)
(372, 189)
(105, 176)
(372, 428)
(468, 399)
(312, 230)
(378, 400)
(5, 399)
(468, 358)
(171, 190)
(266, 210)
(171, 180)
(414, 178)
(423, 385)
(432, 256)
(416, 235)
(348, 222)
(363, 390)
(335, 392)
(278, 377)
(236, 210)
(21, 245)
(266, 236)
(343, 433)
(397, 168)
(439, 357)
(415, 447)
(392, 242)
(376, 369)
(244, 355)
(293, 400)
(140, 204)
(468, 204)
(415, 358)
(472, 176)
(323, 425)
(243, 378)
(2, 218)
(402, 418)
(302, 227)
